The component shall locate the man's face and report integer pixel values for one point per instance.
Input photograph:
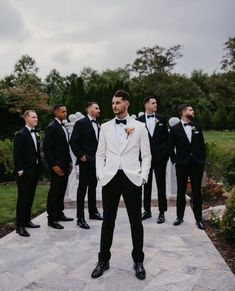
(94, 110)
(61, 113)
(189, 113)
(32, 119)
(119, 105)
(151, 105)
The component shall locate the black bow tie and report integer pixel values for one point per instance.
(118, 121)
(32, 130)
(93, 120)
(189, 123)
(151, 115)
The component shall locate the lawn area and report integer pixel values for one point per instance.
(8, 201)
(224, 139)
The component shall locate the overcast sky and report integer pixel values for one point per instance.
(70, 34)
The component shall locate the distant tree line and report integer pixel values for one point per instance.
(151, 73)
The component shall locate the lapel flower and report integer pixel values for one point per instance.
(129, 130)
(37, 135)
(193, 128)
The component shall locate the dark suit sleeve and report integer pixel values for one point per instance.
(203, 148)
(48, 146)
(171, 145)
(18, 150)
(75, 140)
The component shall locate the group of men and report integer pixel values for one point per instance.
(122, 155)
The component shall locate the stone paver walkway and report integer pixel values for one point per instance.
(176, 258)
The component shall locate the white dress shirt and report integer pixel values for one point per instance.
(64, 129)
(150, 123)
(188, 130)
(121, 135)
(33, 136)
(95, 126)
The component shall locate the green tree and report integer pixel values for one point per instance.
(228, 62)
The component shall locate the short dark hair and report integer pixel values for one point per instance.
(121, 93)
(146, 99)
(182, 107)
(57, 106)
(90, 103)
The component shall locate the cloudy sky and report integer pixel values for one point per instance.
(70, 34)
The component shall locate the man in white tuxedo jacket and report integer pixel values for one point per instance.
(123, 161)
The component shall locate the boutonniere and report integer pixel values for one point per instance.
(156, 120)
(193, 128)
(37, 135)
(129, 130)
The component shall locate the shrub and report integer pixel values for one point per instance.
(228, 221)
(220, 164)
(6, 158)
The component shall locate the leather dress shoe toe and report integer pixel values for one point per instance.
(200, 225)
(55, 225)
(161, 218)
(146, 215)
(65, 218)
(96, 216)
(82, 223)
(30, 224)
(22, 231)
(99, 269)
(139, 271)
(178, 221)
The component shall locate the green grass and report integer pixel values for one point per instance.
(8, 194)
(224, 139)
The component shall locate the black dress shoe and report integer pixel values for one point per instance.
(96, 216)
(139, 271)
(178, 221)
(161, 218)
(200, 225)
(146, 215)
(22, 231)
(29, 224)
(82, 223)
(99, 269)
(65, 218)
(55, 225)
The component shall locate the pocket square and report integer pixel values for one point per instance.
(196, 132)
(160, 124)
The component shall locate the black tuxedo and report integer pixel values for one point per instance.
(189, 158)
(84, 142)
(160, 155)
(27, 158)
(56, 151)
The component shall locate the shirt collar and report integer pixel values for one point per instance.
(29, 128)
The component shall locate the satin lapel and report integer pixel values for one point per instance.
(60, 129)
(113, 135)
(29, 137)
(91, 127)
(147, 127)
(183, 132)
(128, 137)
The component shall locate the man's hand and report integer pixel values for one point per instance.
(83, 159)
(58, 170)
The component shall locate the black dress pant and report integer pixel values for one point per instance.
(159, 169)
(26, 185)
(87, 180)
(55, 197)
(195, 173)
(111, 193)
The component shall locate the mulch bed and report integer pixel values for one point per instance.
(225, 247)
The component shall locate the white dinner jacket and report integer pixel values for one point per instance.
(110, 155)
